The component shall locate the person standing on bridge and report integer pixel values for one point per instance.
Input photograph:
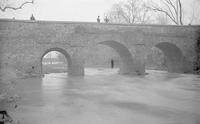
(32, 17)
(98, 19)
(106, 20)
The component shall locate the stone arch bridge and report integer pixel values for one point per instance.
(24, 43)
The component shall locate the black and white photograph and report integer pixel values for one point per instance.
(99, 61)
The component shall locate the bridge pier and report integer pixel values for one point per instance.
(76, 68)
(140, 59)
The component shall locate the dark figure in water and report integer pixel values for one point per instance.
(5, 118)
(112, 63)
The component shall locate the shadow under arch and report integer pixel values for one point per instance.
(127, 65)
(173, 55)
(64, 52)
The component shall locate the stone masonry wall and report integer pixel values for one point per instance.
(24, 42)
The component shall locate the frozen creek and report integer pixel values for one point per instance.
(104, 97)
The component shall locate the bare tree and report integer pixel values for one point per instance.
(5, 4)
(162, 19)
(171, 8)
(194, 13)
(130, 11)
(61, 58)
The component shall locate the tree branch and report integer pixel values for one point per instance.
(163, 11)
(166, 4)
(170, 3)
(16, 8)
(130, 11)
(181, 12)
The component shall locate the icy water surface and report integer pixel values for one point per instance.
(104, 97)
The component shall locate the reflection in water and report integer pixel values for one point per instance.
(104, 97)
(54, 80)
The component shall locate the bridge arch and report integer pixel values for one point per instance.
(173, 56)
(127, 65)
(64, 52)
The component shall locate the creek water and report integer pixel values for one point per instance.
(103, 96)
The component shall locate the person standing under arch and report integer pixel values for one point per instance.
(98, 19)
(112, 63)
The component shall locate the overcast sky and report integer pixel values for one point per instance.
(65, 10)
